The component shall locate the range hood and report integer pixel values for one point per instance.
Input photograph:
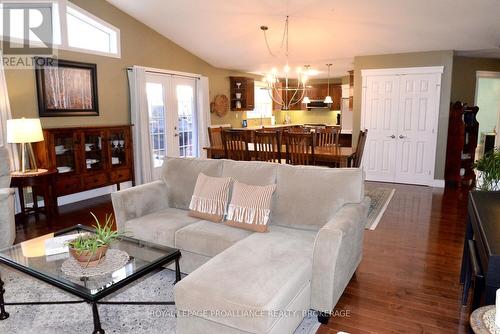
(317, 104)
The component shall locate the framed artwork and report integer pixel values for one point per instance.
(66, 88)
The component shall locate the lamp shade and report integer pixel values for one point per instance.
(328, 99)
(306, 100)
(24, 130)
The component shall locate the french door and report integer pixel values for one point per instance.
(172, 117)
(400, 111)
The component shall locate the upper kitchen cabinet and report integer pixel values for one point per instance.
(320, 91)
(242, 93)
(351, 90)
(336, 94)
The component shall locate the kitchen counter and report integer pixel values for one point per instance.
(278, 126)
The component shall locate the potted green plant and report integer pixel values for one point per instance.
(488, 175)
(90, 249)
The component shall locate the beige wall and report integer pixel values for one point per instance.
(417, 59)
(140, 45)
(463, 85)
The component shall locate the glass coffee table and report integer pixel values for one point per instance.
(29, 257)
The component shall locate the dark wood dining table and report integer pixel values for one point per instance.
(329, 154)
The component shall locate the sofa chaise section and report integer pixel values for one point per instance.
(251, 285)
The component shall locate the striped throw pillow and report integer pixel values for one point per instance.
(250, 206)
(210, 198)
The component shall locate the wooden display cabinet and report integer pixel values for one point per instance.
(87, 157)
(461, 149)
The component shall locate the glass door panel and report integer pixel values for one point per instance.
(186, 116)
(118, 148)
(172, 117)
(93, 151)
(64, 146)
(155, 93)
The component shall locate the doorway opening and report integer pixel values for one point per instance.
(487, 98)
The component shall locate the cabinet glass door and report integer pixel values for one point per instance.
(64, 146)
(117, 147)
(93, 147)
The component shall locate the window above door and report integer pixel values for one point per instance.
(73, 28)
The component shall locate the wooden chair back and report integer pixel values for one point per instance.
(267, 145)
(235, 144)
(300, 148)
(356, 161)
(215, 135)
(329, 136)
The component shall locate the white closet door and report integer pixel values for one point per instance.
(416, 138)
(380, 117)
(400, 109)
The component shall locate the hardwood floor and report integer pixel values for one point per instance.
(408, 279)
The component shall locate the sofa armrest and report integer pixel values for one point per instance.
(337, 253)
(7, 222)
(139, 201)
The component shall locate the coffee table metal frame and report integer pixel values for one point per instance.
(79, 291)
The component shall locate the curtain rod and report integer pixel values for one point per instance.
(174, 73)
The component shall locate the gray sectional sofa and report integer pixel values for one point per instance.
(244, 282)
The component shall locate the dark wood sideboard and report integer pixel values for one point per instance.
(86, 157)
(483, 233)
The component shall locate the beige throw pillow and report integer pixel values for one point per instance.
(210, 198)
(250, 206)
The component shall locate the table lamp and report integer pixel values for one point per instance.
(25, 131)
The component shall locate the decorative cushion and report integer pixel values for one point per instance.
(250, 206)
(210, 198)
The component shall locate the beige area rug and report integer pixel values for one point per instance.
(380, 200)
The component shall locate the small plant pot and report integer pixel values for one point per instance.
(88, 258)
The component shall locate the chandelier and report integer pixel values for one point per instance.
(282, 90)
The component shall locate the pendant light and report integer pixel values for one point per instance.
(306, 99)
(328, 98)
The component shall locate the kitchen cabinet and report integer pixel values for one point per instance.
(242, 93)
(320, 91)
(314, 92)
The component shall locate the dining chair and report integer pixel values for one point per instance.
(215, 138)
(328, 136)
(355, 160)
(300, 148)
(267, 145)
(235, 144)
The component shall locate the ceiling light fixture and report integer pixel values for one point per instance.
(282, 91)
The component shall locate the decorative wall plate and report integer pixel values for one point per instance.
(220, 105)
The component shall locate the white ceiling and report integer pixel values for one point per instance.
(226, 33)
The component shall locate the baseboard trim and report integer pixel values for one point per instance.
(438, 184)
(90, 194)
